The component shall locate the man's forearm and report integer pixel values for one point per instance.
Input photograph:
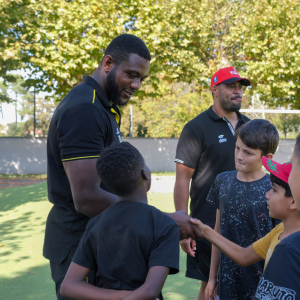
(181, 194)
(94, 201)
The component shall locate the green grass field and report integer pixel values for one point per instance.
(25, 274)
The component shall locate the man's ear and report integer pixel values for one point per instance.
(270, 155)
(215, 90)
(107, 63)
(145, 175)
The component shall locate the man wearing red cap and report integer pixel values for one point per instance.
(206, 149)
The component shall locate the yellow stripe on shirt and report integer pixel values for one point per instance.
(80, 157)
(94, 96)
(116, 115)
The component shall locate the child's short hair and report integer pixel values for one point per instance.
(119, 168)
(259, 134)
(283, 184)
(297, 150)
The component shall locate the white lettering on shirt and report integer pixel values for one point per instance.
(266, 290)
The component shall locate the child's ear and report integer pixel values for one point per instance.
(145, 174)
(270, 155)
(292, 204)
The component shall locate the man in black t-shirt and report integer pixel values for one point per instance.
(206, 149)
(131, 246)
(85, 122)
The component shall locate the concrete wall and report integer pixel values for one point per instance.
(28, 156)
(23, 155)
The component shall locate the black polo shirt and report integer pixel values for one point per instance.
(83, 124)
(207, 145)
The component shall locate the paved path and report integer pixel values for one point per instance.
(162, 184)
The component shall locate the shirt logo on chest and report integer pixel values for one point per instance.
(119, 135)
(222, 139)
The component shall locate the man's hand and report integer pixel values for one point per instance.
(188, 246)
(186, 228)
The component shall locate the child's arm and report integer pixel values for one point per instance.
(153, 285)
(215, 262)
(241, 256)
(75, 287)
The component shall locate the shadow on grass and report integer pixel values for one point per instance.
(179, 287)
(32, 284)
(12, 197)
(15, 231)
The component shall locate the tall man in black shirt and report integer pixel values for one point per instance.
(206, 149)
(85, 122)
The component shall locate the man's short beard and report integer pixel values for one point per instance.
(112, 90)
(230, 106)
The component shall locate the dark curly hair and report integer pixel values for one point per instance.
(123, 45)
(119, 168)
(259, 134)
(283, 184)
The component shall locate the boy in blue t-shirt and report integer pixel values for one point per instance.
(131, 247)
(242, 214)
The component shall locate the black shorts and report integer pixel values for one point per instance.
(198, 267)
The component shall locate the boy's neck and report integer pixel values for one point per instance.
(136, 196)
(250, 176)
(291, 225)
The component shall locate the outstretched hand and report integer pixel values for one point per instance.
(186, 228)
(199, 225)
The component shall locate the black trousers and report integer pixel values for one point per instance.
(58, 273)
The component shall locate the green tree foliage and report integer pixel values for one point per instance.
(286, 123)
(15, 129)
(166, 116)
(4, 97)
(43, 113)
(139, 128)
(188, 39)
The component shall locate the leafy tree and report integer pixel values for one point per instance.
(14, 129)
(44, 110)
(188, 40)
(139, 129)
(166, 116)
(2, 130)
(286, 123)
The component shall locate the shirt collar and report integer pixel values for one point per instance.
(100, 94)
(215, 117)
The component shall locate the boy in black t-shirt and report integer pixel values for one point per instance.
(131, 246)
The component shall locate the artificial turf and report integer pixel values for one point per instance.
(25, 273)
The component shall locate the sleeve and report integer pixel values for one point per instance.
(189, 147)
(213, 195)
(165, 251)
(261, 246)
(84, 255)
(81, 132)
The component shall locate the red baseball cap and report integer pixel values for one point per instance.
(227, 76)
(282, 171)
